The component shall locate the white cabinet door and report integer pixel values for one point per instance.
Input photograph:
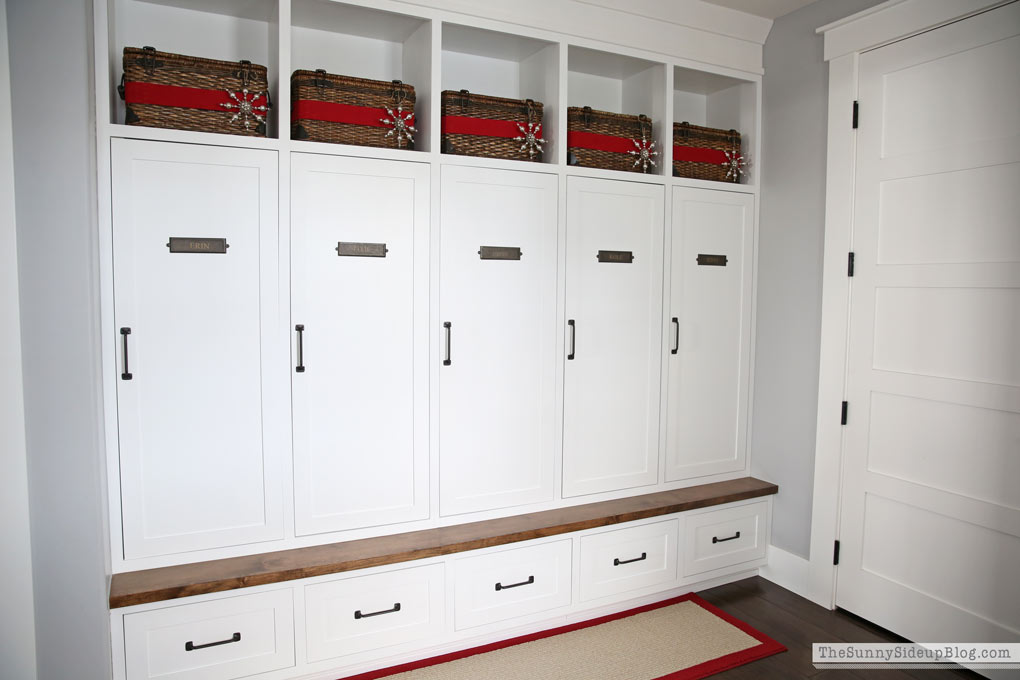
(498, 297)
(196, 307)
(360, 235)
(614, 313)
(709, 332)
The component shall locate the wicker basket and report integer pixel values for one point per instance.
(612, 141)
(347, 110)
(166, 90)
(706, 153)
(492, 127)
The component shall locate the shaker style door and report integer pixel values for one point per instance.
(497, 329)
(359, 270)
(196, 308)
(614, 312)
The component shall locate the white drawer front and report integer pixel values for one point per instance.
(725, 537)
(366, 613)
(214, 640)
(511, 583)
(627, 559)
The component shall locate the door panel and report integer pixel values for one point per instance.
(614, 301)
(709, 358)
(930, 525)
(361, 402)
(497, 394)
(195, 469)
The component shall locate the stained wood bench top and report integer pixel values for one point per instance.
(168, 583)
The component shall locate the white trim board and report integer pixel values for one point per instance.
(787, 570)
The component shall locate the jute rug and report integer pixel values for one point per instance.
(678, 639)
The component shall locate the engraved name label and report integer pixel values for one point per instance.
(191, 244)
(712, 260)
(361, 249)
(499, 253)
(622, 256)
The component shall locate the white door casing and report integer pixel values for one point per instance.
(614, 313)
(930, 543)
(498, 389)
(200, 465)
(361, 401)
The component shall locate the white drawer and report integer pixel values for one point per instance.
(367, 613)
(725, 537)
(214, 640)
(511, 583)
(618, 561)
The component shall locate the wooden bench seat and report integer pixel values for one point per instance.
(167, 583)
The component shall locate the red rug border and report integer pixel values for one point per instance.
(767, 646)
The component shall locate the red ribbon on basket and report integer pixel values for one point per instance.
(596, 142)
(696, 154)
(308, 109)
(136, 92)
(485, 127)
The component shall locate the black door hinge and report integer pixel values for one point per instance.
(842, 417)
(856, 108)
(835, 554)
(850, 264)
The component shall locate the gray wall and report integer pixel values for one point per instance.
(792, 225)
(17, 625)
(54, 165)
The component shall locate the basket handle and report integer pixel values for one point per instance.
(586, 116)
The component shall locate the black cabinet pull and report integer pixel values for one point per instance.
(573, 339)
(716, 539)
(500, 586)
(676, 343)
(617, 562)
(124, 333)
(190, 646)
(300, 328)
(359, 615)
(449, 333)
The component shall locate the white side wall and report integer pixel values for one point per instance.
(54, 168)
(791, 232)
(17, 625)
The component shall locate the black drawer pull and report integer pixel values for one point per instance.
(617, 562)
(300, 328)
(448, 359)
(190, 646)
(676, 343)
(500, 586)
(716, 539)
(124, 333)
(573, 339)
(359, 615)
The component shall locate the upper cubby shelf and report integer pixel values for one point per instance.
(619, 84)
(718, 101)
(505, 65)
(230, 30)
(351, 40)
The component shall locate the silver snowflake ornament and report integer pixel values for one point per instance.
(246, 109)
(735, 164)
(401, 124)
(643, 150)
(532, 143)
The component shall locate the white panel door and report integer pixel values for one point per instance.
(614, 321)
(359, 253)
(709, 333)
(930, 518)
(196, 306)
(497, 436)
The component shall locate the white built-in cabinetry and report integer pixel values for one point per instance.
(324, 342)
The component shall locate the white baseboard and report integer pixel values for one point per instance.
(790, 571)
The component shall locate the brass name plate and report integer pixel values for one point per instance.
(499, 253)
(361, 249)
(623, 256)
(712, 260)
(190, 244)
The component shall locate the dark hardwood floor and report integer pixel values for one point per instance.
(796, 623)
